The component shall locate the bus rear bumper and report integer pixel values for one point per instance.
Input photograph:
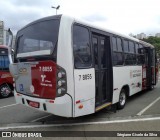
(61, 106)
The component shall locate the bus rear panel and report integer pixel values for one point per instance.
(39, 81)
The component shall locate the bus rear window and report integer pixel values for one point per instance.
(38, 39)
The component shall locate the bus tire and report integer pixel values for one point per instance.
(5, 91)
(122, 99)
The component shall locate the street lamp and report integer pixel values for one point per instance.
(56, 8)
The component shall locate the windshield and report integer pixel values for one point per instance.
(38, 39)
(4, 60)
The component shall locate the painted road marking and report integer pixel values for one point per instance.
(146, 108)
(8, 106)
(77, 124)
(41, 118)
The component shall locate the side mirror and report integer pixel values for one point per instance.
(10, 38)
(10, 45)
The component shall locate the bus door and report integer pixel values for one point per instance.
(150, 66)
(102, 59)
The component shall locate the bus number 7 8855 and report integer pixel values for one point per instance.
(85, 77)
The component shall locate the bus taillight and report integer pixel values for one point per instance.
(61, 82)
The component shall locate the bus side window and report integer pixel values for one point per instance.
(126, 53)
(137, 48)
(140, 56)
(95, 44)
(125, 46)
(81, 47)
(117, 51)
(132, 52)
(103, 53)
(129, 50)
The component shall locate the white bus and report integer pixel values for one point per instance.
(71, 68)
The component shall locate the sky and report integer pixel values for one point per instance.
(123, 16)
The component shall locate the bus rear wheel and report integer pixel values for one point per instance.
(151, 87)
(5, 91)
(122, 99)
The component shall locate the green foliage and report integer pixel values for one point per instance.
(155, 41)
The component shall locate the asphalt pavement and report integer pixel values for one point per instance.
(141, 113)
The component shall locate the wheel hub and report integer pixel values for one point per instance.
(122, 99)
(5, 91)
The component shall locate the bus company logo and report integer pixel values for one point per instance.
(135, 73)
(6, 134)
(22, 70)
(43, 77)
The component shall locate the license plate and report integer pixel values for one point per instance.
(33, 104)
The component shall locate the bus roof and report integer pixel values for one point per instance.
(80, 21)
(112, 32)
(39, 20)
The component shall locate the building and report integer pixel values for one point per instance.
(157, 35)
(1, 32)
(4, 35)
(150, 35)
(132, 35)
(141, 36)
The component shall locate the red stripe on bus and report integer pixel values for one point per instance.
(77, 102)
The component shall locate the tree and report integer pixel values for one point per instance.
(155, 41)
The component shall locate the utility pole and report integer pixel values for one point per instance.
(57, 8)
